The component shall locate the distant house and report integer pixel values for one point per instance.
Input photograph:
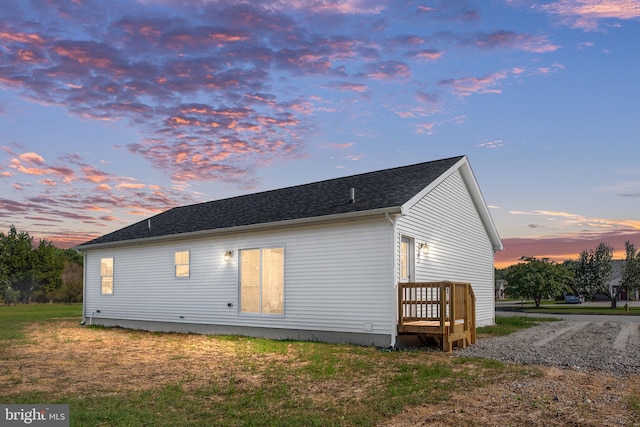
(614, 283)
(501, 289)
(320, 261)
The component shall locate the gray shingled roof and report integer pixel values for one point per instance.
(374, 190)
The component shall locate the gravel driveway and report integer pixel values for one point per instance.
(611, 346)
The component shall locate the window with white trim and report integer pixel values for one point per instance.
(106, 276)
(182, 263)
(262, 280)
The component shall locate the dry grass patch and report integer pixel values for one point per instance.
(123, 377)
(557, 397)
(64, 357)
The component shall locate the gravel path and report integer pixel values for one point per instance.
(609, 346)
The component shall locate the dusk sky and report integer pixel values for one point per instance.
(112, 111)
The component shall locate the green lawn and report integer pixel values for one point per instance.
(506, 325)
(562, 308)
(14, 318)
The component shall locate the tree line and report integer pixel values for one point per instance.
(42, 273)
(589, 275)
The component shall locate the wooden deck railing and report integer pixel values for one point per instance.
(443, 310)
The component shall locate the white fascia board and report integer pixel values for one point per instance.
(481, 205)
(247, 228)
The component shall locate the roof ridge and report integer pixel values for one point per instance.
(317, 182)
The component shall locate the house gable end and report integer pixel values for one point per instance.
(474, 191)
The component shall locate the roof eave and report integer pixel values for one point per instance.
(244, 228)
(481, 205)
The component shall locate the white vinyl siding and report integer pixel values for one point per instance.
(459, 246)
(338, 278)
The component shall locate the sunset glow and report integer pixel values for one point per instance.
(115, 110)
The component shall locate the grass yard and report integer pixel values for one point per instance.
(117, 377)
(576, 309)
(511, 324)
(13, 318)
(560, 307)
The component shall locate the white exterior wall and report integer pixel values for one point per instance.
(459, 247)
(338, 277)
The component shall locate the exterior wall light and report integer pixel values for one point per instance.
(228, 255)
(423, 248)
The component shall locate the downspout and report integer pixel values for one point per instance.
(84, 287)
(394, 298)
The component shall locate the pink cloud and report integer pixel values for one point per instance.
(429, 128)
(496, 143)
(65, 238)
(32, 158)
(428, 98)
(20, 37)
(512, 40)
(65, 173)
(221, 88)
(346, 7)
(444, 10)
(94, 175)
(422, 8)
(562, 248)
(55, 200)
(578, 233)
(130, 185)
(354, 87)
(387, 70)
(426, 128)
(342, 146)
(466, 86)
(426, 54)
(589, 14)
(585, 45)
(548, 70)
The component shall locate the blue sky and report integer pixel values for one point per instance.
(112, 111)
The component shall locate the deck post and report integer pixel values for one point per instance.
(400, 306)
(453, 302)
(443, 307)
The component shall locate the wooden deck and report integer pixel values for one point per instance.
(444, 311)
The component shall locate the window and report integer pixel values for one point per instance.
(406, 259)
(182, 264)
(106, 276)
(262, 280)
